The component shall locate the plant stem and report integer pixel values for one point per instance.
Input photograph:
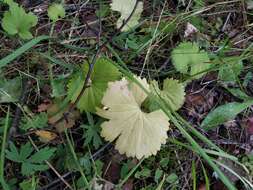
(76, 160)
(2, 180)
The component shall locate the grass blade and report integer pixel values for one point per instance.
(2, 180)
(194, 175)
(76, 160)
(9, 58)
(206, 178)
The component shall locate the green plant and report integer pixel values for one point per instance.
(55, 12)
(30, 162)
(230, 69)
(17, 21)
(2, 154)
(37, 121)
(187, 58)
(103, 72)
(173, 93)
(29, 184)
(92, 132)
(180, 123)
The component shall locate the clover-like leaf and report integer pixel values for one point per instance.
(17, 21)
(173, 94)
(187, 58)
(55, 12)
(138, 134)
(125, 7)
(103, 72)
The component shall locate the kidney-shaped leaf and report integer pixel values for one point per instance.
(55, 12)
(17, 21)
(173, 94)
(187, 58)
(104, 71)
(138, 134)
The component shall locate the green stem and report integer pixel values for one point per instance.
(76, 160)
(2, 180)
(129, 174)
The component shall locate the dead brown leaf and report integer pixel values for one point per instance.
(44, 106)
(202, 187)
(55, 112)
(45, 136)
(128, 185)
(250, 126)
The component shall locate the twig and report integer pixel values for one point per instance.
(18, 112)
(94, 157)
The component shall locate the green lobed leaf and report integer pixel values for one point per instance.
(92, 135)
(57, 87)
(25, 151)
(172, 93)
(38, 121)
(28, 184)
(29, 168)
(17, 21)
(224, 113)
(103, 72)
(13, 153)
(230, 69)
(42, 155)
(55, 12)
(187, 58)
(30, 163)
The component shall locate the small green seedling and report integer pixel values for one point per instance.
(17, 21)
(55, 12)
(30, 162)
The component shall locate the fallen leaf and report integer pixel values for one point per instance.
(112, 169)
(45, 136)
(55, 112)
(190, 29)
(44, 106)
(202, 187)
(129, 185)
(198, 104)
(250, 126)
(100, 184)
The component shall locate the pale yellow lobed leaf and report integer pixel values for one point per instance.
(137, 134)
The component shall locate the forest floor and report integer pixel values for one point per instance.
(60, 63)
